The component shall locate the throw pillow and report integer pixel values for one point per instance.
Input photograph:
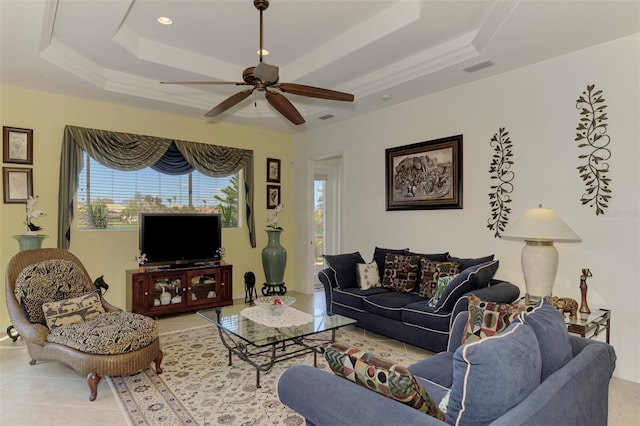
(72, 311)
(493, 375)
(368, 276)
(439, 257)
(468, 262)
(489, 318)
(472, 278)
(401, 272)
(381, 376)
(33, 309)
(443, 283)
(430, 273)
(344, 266)
(380, 256)
(548, 324)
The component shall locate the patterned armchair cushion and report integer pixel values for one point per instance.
(344, 266)
(44, 279)
(381, 376)
(368, 276)
(111, 333)
(489, 318)
(72, 311)
(430, 272)
(401, 272)
(33, 309)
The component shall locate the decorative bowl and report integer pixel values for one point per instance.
(275, 305)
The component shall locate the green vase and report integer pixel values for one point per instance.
(29, 242)
(274, 258)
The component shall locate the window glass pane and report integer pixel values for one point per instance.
(113, 199)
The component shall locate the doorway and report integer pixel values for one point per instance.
(326, 213)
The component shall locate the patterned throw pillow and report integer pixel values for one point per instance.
(489, 318)
(401, 272)
(382, 376)
(443, 282)
(430, 272)
(368, 276)
(72, 311)
(33, 309)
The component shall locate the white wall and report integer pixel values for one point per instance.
(536, 104)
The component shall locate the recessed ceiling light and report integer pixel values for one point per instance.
(265, 52)
(164, 20)
(385, 97)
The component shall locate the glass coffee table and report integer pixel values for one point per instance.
(262, 346)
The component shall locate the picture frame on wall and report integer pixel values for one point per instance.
(273, 196)
(425, 175)
(273, 170)
(17, 145)
(17, 184)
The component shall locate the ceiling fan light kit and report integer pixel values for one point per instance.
(265, 78)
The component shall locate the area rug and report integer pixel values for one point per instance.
(198, 387)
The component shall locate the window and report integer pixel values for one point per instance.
(113, 199)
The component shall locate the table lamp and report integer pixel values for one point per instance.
(539, 228)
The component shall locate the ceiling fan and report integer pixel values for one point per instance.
(264, 78)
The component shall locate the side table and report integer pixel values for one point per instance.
(591, 325)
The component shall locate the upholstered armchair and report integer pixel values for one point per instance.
(55, 308)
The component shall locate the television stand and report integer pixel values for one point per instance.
(173, 291)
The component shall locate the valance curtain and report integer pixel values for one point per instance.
(127, 151)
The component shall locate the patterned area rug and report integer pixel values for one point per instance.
(198, 387)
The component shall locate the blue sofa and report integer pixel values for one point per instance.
(533, 373)
(406, 316)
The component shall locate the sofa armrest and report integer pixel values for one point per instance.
(497, 291)
(328, 279)
(323, 398)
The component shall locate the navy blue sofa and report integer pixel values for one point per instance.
(541, 377)
(406, 316)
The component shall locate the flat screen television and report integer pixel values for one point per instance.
(173, 240)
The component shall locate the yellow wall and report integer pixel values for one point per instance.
(111, 253)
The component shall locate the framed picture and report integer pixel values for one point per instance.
(273, 196)
(425, 175)
(18, 184)
(17, 145)
(273, 170)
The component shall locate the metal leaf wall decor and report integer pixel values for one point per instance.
(592, 131)
(500, 172)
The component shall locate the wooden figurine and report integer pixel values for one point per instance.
(584, 306)
(565, 304)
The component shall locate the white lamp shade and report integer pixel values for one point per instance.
(540, 224)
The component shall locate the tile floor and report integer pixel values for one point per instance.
(50, 393)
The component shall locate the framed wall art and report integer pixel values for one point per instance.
(425, 175)
(17, 145)
(273, 170)
(17, 184)
(273, 196)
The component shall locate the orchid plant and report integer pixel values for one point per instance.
(33, 214)
(273, 219)
(141, 258)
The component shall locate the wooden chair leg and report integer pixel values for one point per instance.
(93, 379)
(157, 361)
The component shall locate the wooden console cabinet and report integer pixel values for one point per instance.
(165, 292)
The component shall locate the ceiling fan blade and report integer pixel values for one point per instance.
(315, 92)
(237, 83)
(284, 107)
(229, 102)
